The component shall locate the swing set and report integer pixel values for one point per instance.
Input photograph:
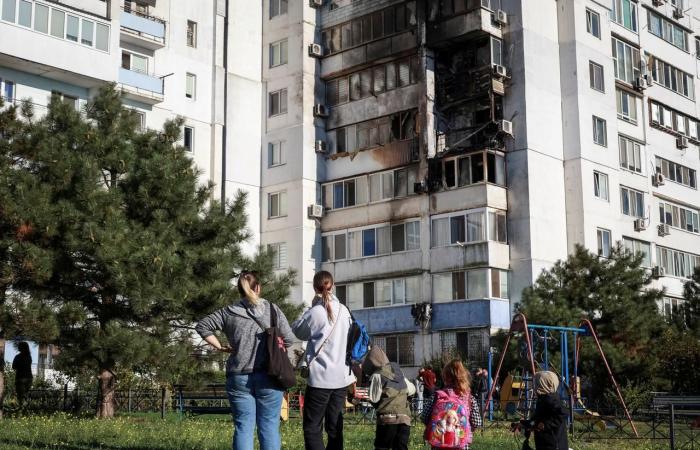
(569, 389)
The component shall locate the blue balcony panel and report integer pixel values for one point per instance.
(141, 81)
(142, 25)
(462, 314)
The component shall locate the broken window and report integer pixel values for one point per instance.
(402, 126)
(450, 180)
(477, 163)
(340, 141)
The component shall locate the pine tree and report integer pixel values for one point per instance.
(615, 294)
(692, 305)
(109, 245)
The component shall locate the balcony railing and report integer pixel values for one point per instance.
(143, 26)
(142, 86)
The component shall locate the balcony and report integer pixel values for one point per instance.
(491, 253)
(398, 264)
(141, 87)
(142, 30)
(461, 27)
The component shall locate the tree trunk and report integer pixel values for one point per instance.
(107, 383)
(2, 388)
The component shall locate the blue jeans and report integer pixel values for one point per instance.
(255, 399)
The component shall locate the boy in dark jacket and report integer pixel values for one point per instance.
(388, 391)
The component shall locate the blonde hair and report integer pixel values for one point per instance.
(247, 285)
(323, 283)
(457, 377)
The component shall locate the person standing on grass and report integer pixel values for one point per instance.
(550, 418)
(452, 414)
(22, 365)
(255, 397)
(325, 326)
(388, 391)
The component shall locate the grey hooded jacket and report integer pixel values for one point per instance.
(245, 337)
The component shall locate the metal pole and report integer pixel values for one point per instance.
(490, 383)
(610, 374)
(546, 352)
(129, 399)
(498, 371)
(65, 397)
(672, 429)
(162, 403)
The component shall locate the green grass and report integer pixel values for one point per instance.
(141, 432)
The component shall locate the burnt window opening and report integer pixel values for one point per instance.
(403, 125)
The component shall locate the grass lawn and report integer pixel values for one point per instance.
(143, 432)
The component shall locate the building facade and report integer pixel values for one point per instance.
(434, 155)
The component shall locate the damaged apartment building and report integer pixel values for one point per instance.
(437, 155)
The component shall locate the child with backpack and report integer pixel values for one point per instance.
(452, 413)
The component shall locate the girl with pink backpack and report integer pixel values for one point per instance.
(452, 413)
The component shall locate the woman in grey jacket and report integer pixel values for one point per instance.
(255, 398)
(325, 326)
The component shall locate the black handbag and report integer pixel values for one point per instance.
(279, 367)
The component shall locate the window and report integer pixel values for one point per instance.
(463, 285)
(499, 283)
(626, 61)
(398, 349)
(278, 53)
(600, 133)
(676, 263)
(624, 12)
(190, 85)
(279, 255)
(25, 13)
(8, 90)
(630, 154)
(9, 10)
(276, 204)
(191, 34)
(388, 292)
(87, 31)
(679, 217)
(342, 293)
(596, 75)
(278, 8)
(141, 119)
(497, 226)
(41, 18)
(278, 102)
(405, 236)
(346, 193)
(58, 19)
(636, 246)
(626, 106)
(72, 28)
(469, 345)
(466, 170)
(134, 62)
(69, 100)
(472, 226)
(600, 185)
(673, 307)
(101, 37)
(275, 154)
(188, 134)
(672, 78)
(674, 122)
(603, 242)
(677, 173)
(668, 31)
(593, 23)
(632, 202)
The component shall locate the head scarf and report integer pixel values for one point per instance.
(546, 383)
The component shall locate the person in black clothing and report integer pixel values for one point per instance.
(22, 365)
(549, 420)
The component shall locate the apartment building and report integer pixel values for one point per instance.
(444, 153)
(170, 58)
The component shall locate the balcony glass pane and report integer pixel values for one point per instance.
(58, 19)
(87, 32)
(102, 37)
(25, 13)
(9, 10)
(41, 18)
(72, 28)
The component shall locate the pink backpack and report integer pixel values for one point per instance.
(449, 425)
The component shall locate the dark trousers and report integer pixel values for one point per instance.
(324, 406)
(392, 437)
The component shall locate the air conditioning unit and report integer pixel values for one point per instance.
(664, 229)
(658, 179)
(658, 2)
(678, 13)
(640, 83)
(320, 110)
(505, 126)
(315, 3)
(640, 225)
(420, 187)
(658, 272)
(315, 211)
(681, 142)
(321, 147)
(500, 17)
(500, 71)
(315, 50)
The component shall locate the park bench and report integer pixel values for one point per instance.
(679, 402)
(210, 399)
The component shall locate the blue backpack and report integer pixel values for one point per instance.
(358, 343)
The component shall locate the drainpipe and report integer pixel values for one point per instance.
(224, 128)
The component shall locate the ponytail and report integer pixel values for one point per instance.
(323, 284)
(247, 285)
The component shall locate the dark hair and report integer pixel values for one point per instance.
(23, 347)
(323, 284)
(247, 285)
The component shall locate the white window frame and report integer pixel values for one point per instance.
(672, 78)
(604, 240)
(282, 95)
(191, 34)
(189, 148)
(623, 97)
(629, 147)
(279, 53)
(617, 15)
(597, 191)
(679, 215)
(281, 204)
(193, 94)
(632, 201)
(596, 72)
(596, 138)
(669, 170)
(280, 260)
(636, 246)
(277, 147)
(485, 225)
(278, 10)
(628, 65)
(591, 18)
